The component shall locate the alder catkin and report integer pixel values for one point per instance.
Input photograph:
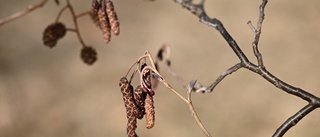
(113, 18)
(131, 108)
(150, 113)
(104, 22)
(94, 12)
(139, 98)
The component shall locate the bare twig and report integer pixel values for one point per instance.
(61, 11)
(314, 101)
(203, 89)
(74, 17)
(17, 15)
(293, 120)
(258, 32)
(195, 115)
(83, 13)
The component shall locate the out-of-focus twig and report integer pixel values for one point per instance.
(17, 15)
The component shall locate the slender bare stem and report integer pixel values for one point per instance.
(61, 11)
(74, 17)
(195, 115)
(17, 15)
(83, 13)
(293, 120)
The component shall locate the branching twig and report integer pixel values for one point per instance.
(74, 17)
(22, 13)
(314, 101)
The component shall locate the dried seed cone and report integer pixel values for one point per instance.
(113, 18)
(127, 92)
(104, 23)
(53, 33)
(150, 113)
(88, 55)
(139, 98)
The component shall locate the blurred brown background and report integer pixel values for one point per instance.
(52, 93)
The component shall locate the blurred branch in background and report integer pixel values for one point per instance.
(22, 13)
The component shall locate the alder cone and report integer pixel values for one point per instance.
(88, 55)
(113, 18)
(53, 33)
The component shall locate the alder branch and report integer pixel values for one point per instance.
(17, 15)
(314, 101)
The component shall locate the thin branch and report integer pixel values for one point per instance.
(204, 89)
(195, 115)
(293, 120)
(83, 13)
(74, 17)
(61, 11)
(17, 15)
(258, 33)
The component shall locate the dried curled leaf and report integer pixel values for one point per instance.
(53, 33)
(131, 108)
(113, 18)
(104, 22)
(88, 55)
(139, 97)
(150, 113)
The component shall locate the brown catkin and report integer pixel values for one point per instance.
(113, 18)
(139, 97)
(127, 92)
(150, 113)
(94, 12)
(104, 22)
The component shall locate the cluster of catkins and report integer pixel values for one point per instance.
(104, 15)
(138, 103)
